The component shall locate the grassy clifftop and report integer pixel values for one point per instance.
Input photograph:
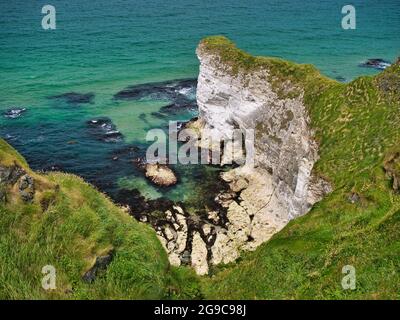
(68, 224)
(288, 79)
(357, 126)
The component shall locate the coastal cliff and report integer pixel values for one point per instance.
(237, 91)
(230, 97)
(313, 135)
(322, 131)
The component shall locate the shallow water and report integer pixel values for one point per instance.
(103, 47)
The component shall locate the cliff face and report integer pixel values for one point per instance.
(284, 141)
(237, 91)
(251, 94)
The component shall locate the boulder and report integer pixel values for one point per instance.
(160, 175)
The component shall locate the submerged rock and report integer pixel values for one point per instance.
(169, 90)
(181, 93)
(14, 113)
(75, 98)
(376, 63)
(161, 175)
(104, 130)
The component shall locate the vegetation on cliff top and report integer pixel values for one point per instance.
(358, 128)
(287, 78)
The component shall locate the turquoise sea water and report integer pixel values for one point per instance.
(105, 46)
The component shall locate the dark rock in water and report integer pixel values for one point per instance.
(53, 167)
(114, 136)
(168, 90)
(100, 264)
(133, 199)
(104, 130)
(159, 115)
(139, 162)
(139, 205)
(128, 151)
(14, 113)
(181, 94)
(340, 79)
(376, 63)
(178, 105)
(75, 98)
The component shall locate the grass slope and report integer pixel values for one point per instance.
(68, 225)
(358, 128)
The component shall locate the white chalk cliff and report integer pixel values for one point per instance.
(279, 187)
(284, 142)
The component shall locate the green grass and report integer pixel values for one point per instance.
(357, 126)
(68, 225)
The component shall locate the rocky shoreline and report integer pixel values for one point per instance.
(244, 215)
